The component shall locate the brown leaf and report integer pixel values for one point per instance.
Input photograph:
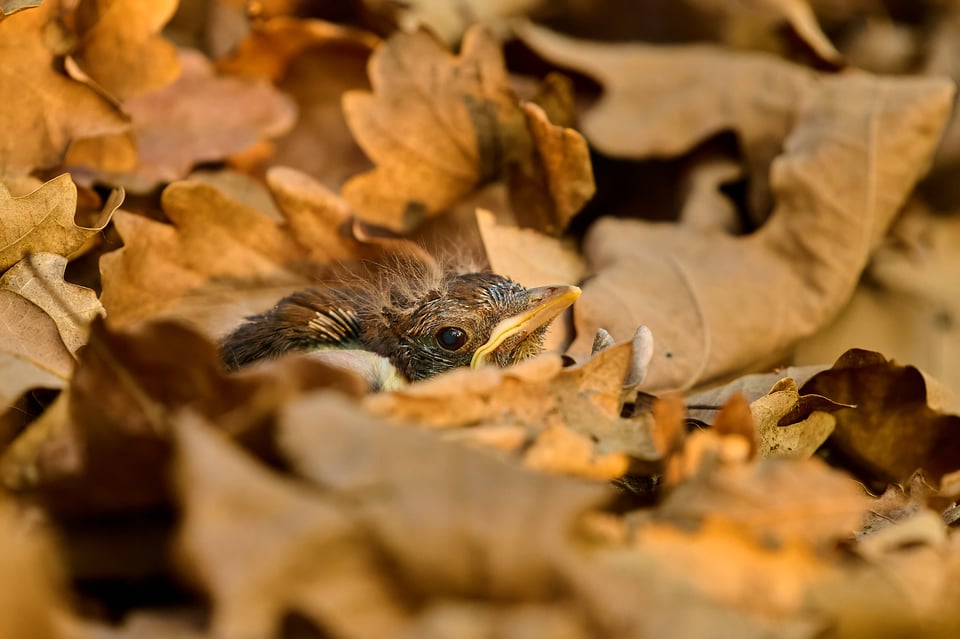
(221, 261)
(439, 126)
(109, 451)
(735, 419)
(441, 523)
(31, 599)
(790, 424)
(43, 221)
(662, 101)
(39, 278)
(771, 501)
(561, 170)
(892, 431)
(798, 13)
(119, 46)
(728, 565)
(314, 62)
(797, 271)
(201, 117)
(32, 355)
(9, 7)
(44, 111)
(536, 394)
(263, 546)
(467, 619)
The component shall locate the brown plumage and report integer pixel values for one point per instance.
(424, 327)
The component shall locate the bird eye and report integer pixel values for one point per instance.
(451, 338)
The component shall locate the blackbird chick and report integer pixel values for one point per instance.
(422, 327)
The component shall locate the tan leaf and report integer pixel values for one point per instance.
(450, 21)
(50, 110)
(198, 268)
(43, 221)
(789, 425)
(263, 546)
(31, 597)
(793, 275)
(9, 7)
(771, 500)
(39, 278)
(119, 46)
(319, 220)
(797, 13)
(546, 193)
(537, 394)
(201, 117)
(441, 523)
(559, 449)
(662, 101)
(886, 398)
(437, 126)
(314, 62)
(109, 451)
(727, 565)
(451, 619)
(32, 355)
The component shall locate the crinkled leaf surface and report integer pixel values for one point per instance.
(120, 46)
(39, 278)
(200, 117)
(54, 109)
(43, 221)
(438, 126)
(32, 354)
(262, 546)
(888, 399)
(702, 292)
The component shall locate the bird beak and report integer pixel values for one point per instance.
(546, 302)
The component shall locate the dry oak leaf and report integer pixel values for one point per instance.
(790, 424)
(859, 145)
(40, 279)
(119, 47)
(536, 394)
(200, 117)
(770, 500)
(661, 101)
(729, 566)
(470, 619)
(31, 593)
(43, 221)
(314, 62)
(43, 111)
(798, 13)
(32, 355)
(109, 450)
(440, 126)
(222, 260)
(9, 7)
(262, 546)
(892, 431)
(443, 513)
(219, 261)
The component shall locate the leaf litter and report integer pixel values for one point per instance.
(651, 482)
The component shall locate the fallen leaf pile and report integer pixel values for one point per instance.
(748, 424)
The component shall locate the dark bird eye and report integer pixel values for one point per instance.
(451, 338)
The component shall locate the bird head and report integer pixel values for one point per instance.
(470, 319)
(423, 325)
